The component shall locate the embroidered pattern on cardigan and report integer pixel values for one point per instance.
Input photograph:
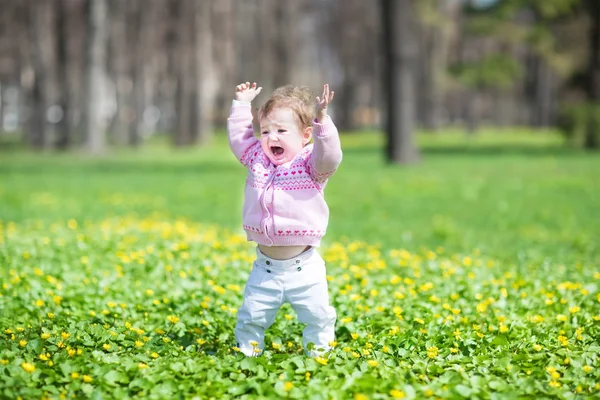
(255, 148)
(300, 232)
(250, 228)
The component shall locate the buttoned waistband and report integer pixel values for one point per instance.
(284, 265)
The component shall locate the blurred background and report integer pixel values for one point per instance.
(97, 74)
(117, 109)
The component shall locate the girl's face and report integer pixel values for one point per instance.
(281, 135)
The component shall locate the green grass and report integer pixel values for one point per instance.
(510, 194)
(472, 274)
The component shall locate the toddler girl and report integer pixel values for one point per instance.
(284, 210)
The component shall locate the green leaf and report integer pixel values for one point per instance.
(248, 363)
(463, 390)
(500, 340)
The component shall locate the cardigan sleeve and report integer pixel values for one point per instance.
(327, 151)
(240, 132)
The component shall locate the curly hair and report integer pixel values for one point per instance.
(299, 98)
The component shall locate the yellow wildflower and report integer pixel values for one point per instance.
(432, 352)
(321, 360)
(28, 367)
(397, 394)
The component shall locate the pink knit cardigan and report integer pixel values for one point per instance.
(284, 205)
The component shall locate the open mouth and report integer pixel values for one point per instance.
(276, 150)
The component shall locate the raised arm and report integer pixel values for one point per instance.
(327, 150)
(239, 124)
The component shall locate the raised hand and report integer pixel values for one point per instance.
(323, 102)
(246, 92)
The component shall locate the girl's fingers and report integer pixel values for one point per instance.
(331, 96)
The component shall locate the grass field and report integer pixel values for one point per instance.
(474, 274)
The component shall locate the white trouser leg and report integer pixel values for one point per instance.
(306, 291)
(302, 282)
(262, 300)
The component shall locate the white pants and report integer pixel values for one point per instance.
(300, 281)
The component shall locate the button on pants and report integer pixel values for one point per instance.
(300, 281)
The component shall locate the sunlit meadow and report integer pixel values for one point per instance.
(472, 275)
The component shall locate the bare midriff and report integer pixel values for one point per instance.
(282, 252)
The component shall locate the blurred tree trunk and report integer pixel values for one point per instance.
(120, 44)
(592, 140)
(225, 50)
(284, 39)
(207, 77)
(9, 68)
(186, 80)
(44, 74)
(63, 127)
(141, 36)
(194, 45)
(436, 35)
(401, 41)
(96, 13)
(264, 45)
(348, 34)
(539, 91)
(170, 83)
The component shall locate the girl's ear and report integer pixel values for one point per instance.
(307, 135)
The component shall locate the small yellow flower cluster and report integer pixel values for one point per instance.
(432, 352)
(321, 360)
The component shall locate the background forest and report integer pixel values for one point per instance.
(113, 72)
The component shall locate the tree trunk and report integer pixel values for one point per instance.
(592, 140)
(437, 44)
(45, 74)
(94, 74)
(539, 91)
(471, 111)
(63, 127)
(189, 107)
(140, 55)
(224, 29)
(205, 72)
(402, 57)
(121, 45)
(284, 40)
